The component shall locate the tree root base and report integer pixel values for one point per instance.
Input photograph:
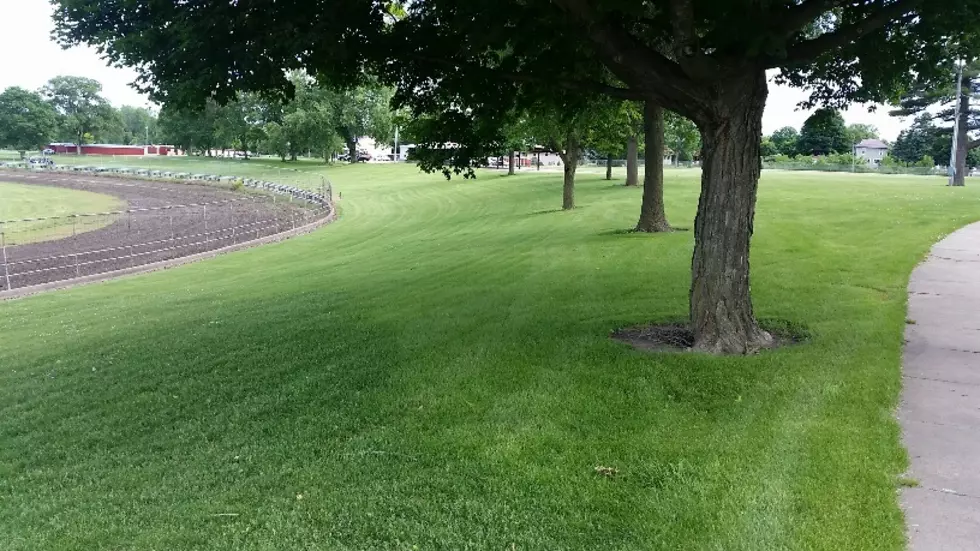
(658, 227)
(679, 337)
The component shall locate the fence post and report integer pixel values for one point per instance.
(206, 239)
(173, 241)
(3, 256)
(129, 235)
(256, 209)
(74, 243)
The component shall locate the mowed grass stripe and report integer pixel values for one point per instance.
(433, 370)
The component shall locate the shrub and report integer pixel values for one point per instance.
(926, 162)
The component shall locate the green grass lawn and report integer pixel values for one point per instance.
(433, 371)
(19, 201)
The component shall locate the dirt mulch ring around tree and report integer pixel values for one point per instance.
(678, 337)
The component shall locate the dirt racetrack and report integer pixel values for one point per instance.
(165, 220)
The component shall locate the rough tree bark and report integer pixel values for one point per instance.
(653, 217)
(721, 305)
(631, 162)
(609, 163)
(510, 166)
(569, 161)
(962, 138)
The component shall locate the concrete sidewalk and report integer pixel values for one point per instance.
(940, 409)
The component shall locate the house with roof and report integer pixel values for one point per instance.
(871, 150)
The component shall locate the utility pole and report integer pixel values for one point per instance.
(956, 125)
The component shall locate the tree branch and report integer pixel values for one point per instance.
(797, 17)
(810, 49)
(514, 76)
(682, 25)
(639, 66)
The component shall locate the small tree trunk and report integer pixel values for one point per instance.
(352, 150)
(23, 154)
(653, 217)
(721, 303)
(570, 163)
(510, 166)
(959, 179)
(609, 163)
(632, 171)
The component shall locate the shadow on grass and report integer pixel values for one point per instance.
(551, 211)
(631, 231)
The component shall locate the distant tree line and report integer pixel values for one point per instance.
(317, 120)
(69, 109)
(823, 133)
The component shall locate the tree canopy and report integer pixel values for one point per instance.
(82, 109)
(784, 140)
(857, 132)
(941, 97)
(26, 120)
(824, 132)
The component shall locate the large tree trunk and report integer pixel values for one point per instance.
(653, 217)
(609, 163)
(511, 161)
(569, 163)
(631, 162)
(721, 303)
(959, 179)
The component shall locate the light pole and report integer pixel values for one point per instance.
(956, 126)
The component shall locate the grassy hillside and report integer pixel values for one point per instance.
(433, 371)
(20, 201)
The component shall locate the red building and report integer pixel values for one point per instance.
(110, 149)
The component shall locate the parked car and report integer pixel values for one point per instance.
(48, 151)
(362, 157)
(41, 161)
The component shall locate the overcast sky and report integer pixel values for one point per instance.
(31, 57)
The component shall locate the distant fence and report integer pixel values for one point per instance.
(858, 168)
(41, 250)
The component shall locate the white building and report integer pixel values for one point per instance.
(871, 150)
